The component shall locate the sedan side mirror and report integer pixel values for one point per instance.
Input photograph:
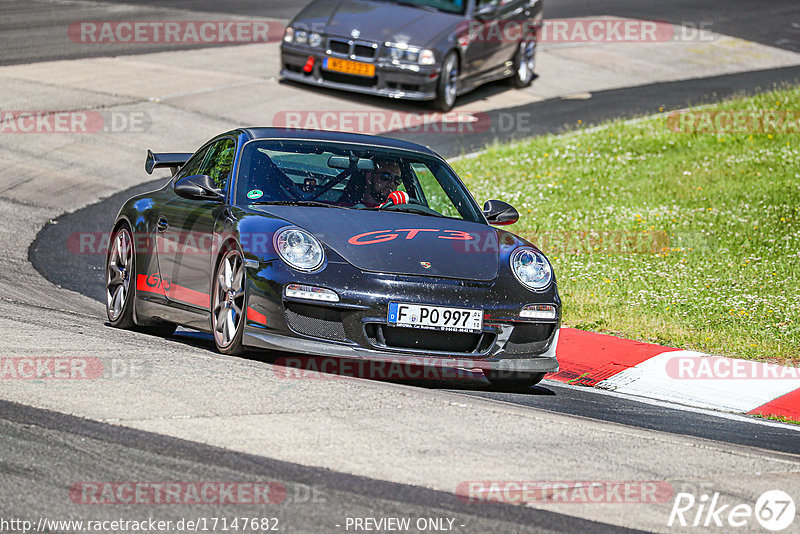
(500, 213)
(486, 12)
(198, 187)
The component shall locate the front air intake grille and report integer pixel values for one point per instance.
(421, 340)
(529, 338)
(337, 77)
(315, 321)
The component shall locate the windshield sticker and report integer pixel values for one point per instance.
(254, 194)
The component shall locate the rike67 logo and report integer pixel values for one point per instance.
(774, 510)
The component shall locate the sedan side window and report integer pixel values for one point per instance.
(219, 162)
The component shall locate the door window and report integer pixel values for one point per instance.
(219, 161)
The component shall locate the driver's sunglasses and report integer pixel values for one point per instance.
(388, 177)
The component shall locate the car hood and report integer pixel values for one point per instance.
(400, 243)
(377, 21)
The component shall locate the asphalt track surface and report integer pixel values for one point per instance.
(34, 30)
(34, 440)
(84, 273)
(316, 500)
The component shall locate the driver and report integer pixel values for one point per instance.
(381, 181)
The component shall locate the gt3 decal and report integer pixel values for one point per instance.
(381, 236)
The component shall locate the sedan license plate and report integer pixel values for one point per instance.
(435, 317)
(349, 67)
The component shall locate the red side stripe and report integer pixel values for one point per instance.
(586, 358)
(256, 317)
(174, 292)
(787, 406)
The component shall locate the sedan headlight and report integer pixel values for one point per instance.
(301, 37)
(288, 36)
(299, 249)
(404, 53)
(314, 39)
(531, 268)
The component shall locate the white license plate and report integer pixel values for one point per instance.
(435, 317)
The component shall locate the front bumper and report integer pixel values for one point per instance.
(417, 82)
(356, 327)
(539, 363)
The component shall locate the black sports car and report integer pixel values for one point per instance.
(412, 49)
(333, 244)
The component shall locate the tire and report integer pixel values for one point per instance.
(229, 303)
(524, 65)
(512, 380)
(121, 285)
(120, 275)
(447, 84)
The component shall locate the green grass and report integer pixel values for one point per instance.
(779, 418)
(687, 240)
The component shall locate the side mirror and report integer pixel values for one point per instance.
(198, 187)
(500, 213)
(486, 12)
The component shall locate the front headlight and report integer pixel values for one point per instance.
(427, 57)
(531, 268)
(301, 37)
(288, 36)
(314, 39)
(299, 249)
(403, 53)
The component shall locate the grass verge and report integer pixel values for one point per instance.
(685, 239)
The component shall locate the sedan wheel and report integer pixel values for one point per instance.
(229, 303)
(119, 273)
(524, 64)
(447, 87)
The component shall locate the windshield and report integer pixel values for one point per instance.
(449, 6)
(349, 176)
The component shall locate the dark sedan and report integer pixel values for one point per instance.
(333, 244)
(412, 49)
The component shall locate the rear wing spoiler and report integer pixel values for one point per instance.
(173, 161)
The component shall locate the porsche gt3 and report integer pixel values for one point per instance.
(333, 244)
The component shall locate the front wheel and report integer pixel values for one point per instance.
(121, 287)
(447, 86)
(229, 303)
(524, 64)
(513, 380)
